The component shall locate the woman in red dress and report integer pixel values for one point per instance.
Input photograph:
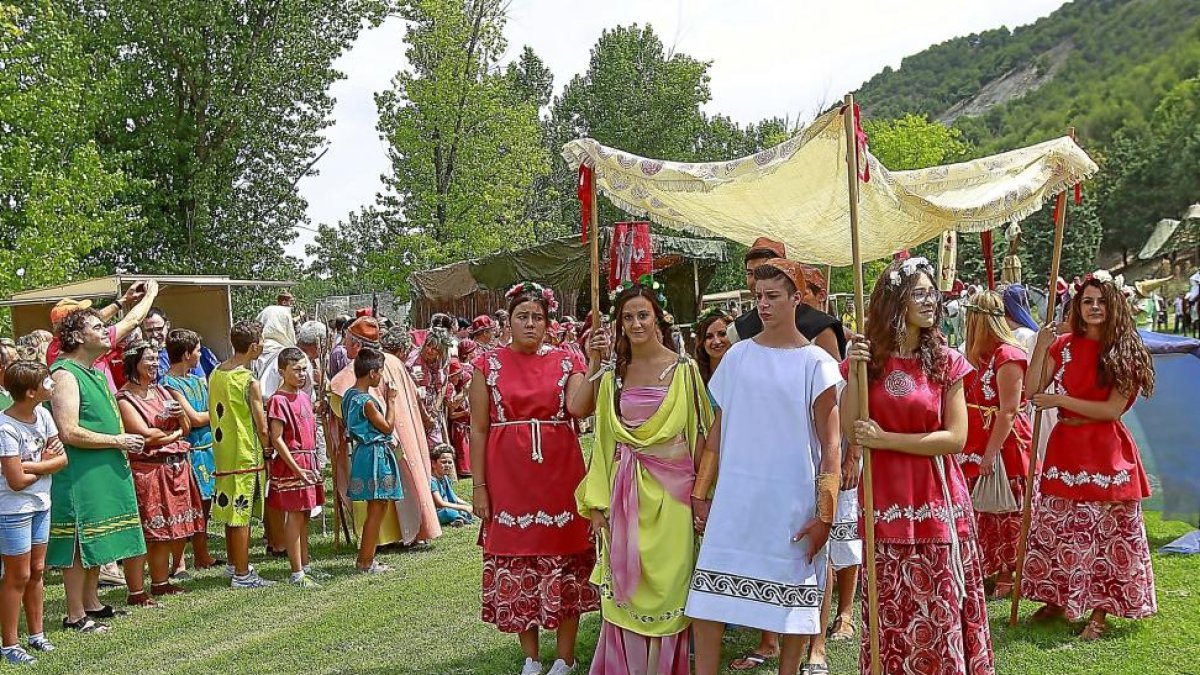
(167, 494)
(459, 413)
(1087, 545)
(527, 463)
(932, 610)
(997, 431)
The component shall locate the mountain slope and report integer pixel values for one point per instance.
(1097, 65)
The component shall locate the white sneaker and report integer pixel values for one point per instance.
(560, 667)
(531, 667)
(230, 572)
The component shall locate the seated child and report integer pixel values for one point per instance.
(451, 510)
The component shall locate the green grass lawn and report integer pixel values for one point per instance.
(424, 618)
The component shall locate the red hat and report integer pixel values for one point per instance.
(365, 329)
(481, 323)
(362, 312)
(465, 347)
(790, 268)
(65, 307)
(1061, 286)
(771, 245)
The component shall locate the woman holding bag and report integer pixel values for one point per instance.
(995, 459)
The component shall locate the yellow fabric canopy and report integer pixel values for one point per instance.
(796, 192)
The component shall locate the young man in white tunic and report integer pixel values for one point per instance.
(777, 442)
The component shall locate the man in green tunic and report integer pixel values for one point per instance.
(93, 514)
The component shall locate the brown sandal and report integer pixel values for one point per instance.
(166, 588)
(142, 599)
(1002, 590)
(1094, 630)
(1049, 613)
(840, 629)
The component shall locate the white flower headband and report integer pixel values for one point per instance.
(908, 268)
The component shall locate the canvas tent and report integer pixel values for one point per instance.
(1171, 236)
(797, 192)
(685, 265)
(199, 303)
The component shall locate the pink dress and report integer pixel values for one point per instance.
(932, 609)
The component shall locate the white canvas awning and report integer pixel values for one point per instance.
(200, 303)
(796, 192)
(1162, 232)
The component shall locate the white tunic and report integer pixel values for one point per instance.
(749, 571)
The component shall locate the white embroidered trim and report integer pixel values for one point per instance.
(1101, 480)
(919, 514)
(964, 458)
(492, 378)
(527, 520)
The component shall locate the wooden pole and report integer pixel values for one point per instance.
(864, 412)
(1060, 211)
(989, 263)
(829, 308)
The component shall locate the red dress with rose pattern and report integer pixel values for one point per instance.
(932, 609)
(1087, 544)
(997, 532)
(537, 550)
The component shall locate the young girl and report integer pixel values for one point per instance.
(1087, 543)
(998, 433)
(932, 610)
(29, 453)
(452, 511)
(296, 484)
(374, 472)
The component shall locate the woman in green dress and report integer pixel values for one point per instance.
(651, 416)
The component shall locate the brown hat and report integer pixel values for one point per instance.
(365, 329)
(768, 244)
(813, 277)
(65, 307)
(790, 268)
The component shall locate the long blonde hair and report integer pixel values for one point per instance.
(986, 327)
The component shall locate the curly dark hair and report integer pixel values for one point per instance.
(885, 323)
(621, 344)
(70, 329)
(703, 360)
(1124, 360)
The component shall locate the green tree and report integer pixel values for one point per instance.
(219, 107)
(633, 96)
(913, 142)
(465, 148)
(59, 197)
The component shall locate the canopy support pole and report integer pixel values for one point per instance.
(594, 250)
(829, 308)
(1060, 220)
(861, 375)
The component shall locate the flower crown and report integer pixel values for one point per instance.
(648, 282)
(710, 312)
(983, 310)
(908, 268)
(546, 294)
(136, 347)
(1106, 277)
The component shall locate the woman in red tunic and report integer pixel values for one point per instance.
(1087, 545)
(167, 494)
(932, 610)
(998, 433)
(526, 461)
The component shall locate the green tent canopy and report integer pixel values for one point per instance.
(475, 287)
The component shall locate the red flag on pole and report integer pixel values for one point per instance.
(629, 253)
(584, 191)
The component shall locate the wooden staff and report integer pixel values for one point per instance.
(861, 376)
(1060, 219)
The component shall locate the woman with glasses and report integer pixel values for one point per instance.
(932, 610)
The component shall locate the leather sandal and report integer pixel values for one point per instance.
(841, 629)
(1094, 630)
(1049, 613)
(142, 599)
(749, 661)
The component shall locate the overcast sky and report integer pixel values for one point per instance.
(769, 58)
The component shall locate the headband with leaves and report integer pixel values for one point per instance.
(648, 282)
(523, 287)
